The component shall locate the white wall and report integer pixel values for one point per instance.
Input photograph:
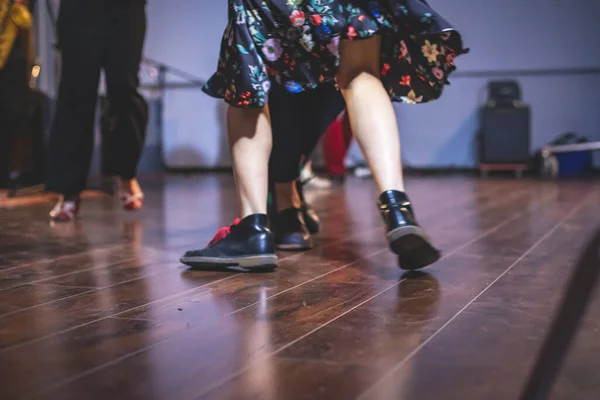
(186, 34)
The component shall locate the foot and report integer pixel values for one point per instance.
(132, 201)
(247, 244)
(290, 231)
(405, 237)
(311, 219)
(131, 195)
(65, 210)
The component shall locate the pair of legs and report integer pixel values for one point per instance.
(14, 101)
(371, 116)
(95, 36)
(297, 121)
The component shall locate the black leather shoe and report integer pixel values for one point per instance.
(311, 219)
(247, 244)
(290, 231)
(405, 237)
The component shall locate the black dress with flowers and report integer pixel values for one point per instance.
(295, 43)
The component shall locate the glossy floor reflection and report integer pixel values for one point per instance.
(102, 309)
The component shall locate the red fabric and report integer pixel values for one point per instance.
(336, 142)
(223, 232)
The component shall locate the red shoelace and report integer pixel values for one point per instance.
(223, 232)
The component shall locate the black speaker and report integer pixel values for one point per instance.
(505, 134)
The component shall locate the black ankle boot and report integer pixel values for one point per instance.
(290, 231)
(247, 243)
(311, 219)
(405, 236)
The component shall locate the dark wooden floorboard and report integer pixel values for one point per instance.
(200, 308)
(242, 288)
(106, 311)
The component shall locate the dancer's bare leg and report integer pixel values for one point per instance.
(374, 126)
(248, 242)
(371, 112)
(250, 143)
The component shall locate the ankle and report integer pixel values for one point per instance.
(131, 186)
(287, 196)
(399, 187)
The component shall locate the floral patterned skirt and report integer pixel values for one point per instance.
(295, 44)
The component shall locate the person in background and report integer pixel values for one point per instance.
(298, 121)
(95, 36)
(336, 143)
(16, 60)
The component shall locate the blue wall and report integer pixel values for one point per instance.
(503, 35)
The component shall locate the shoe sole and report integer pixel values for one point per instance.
(413, 247)
(262, 262)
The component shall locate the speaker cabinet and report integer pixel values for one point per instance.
(505, 135)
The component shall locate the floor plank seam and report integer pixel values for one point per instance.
(45, 280)
(90, 288)
(59, 258)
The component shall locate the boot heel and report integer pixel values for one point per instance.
(405, 237)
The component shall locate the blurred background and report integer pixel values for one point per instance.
(545, 46)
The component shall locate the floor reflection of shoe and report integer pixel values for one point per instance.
(65, 210)
(290, 231)
(405, 237)
(247, 244)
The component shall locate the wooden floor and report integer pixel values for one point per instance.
(102, 309)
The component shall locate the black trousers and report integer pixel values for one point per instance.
(15, 97)
(298, 120)
(97, 35)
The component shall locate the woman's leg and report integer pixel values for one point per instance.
(250, 143)
(374, 126)
(289, 126)
(370, 110)
(247, 243)
(127, 109)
